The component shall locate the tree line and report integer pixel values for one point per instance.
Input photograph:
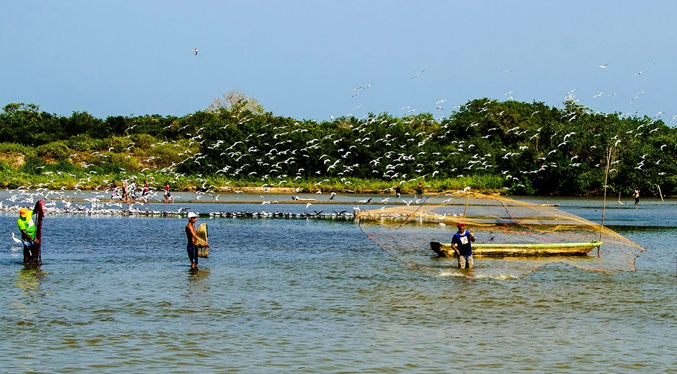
(524, 148)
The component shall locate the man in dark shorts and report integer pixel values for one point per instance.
(191, 235)
(636, 196)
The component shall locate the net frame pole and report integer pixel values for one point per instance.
(606, 182)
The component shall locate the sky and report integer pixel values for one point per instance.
(323, 59)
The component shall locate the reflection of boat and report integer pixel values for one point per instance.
(519, 250)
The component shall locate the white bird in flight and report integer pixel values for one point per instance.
(195, 50)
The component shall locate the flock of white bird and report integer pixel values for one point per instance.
(392, 156)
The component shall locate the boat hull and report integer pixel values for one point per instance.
(519, 250)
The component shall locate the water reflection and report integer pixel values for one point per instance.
(197, 280)
(29, 280)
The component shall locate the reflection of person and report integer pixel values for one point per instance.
(30, 234)
(191, 235)
(636, 196)
(460, 243)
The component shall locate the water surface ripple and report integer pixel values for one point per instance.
(116, 295)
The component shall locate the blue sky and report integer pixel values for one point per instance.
(306, 59)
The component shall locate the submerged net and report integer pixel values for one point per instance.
(405, 232)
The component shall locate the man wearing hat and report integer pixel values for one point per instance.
(191, 234)
(461, 245)
(31, 243)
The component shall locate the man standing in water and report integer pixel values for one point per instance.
(460, 243)
(30, 234)
(636, 196)
(192, 237)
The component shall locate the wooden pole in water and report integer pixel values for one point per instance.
(606, 179)
(660, 193)
(467, 200)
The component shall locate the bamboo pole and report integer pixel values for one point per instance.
(660, 193)
(606, 180)
(467, 200)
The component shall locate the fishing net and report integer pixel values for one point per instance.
(405, 231)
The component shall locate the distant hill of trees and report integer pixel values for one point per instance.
(524, 148)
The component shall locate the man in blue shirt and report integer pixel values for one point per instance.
(460, 243)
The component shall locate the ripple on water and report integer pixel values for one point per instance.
(310, 296)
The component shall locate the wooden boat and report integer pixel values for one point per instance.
(519, 250)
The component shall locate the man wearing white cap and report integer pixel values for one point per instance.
(191, 234)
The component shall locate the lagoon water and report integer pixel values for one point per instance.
(116, 295)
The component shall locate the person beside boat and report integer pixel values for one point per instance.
(461, 244)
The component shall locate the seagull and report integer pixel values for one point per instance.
(417, 74)
(604, 66)
(18, 241)
(195, 50)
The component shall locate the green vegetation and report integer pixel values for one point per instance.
(510, 146)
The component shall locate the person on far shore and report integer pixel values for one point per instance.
(460, 243)
(636, 196)
(125, 192)
(115, 192)
(419, 191)
(398, 190)
(168, 195)
(191, 235)
(145, 192)
(146, 189)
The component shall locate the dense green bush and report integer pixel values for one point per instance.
(84, 142)
(57, 150)
(143, 141)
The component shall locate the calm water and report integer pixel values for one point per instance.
(115, 294)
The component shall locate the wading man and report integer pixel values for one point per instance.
(460, 243)
(31, 233)
(192, 237)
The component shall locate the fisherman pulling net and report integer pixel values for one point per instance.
(406, 233)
